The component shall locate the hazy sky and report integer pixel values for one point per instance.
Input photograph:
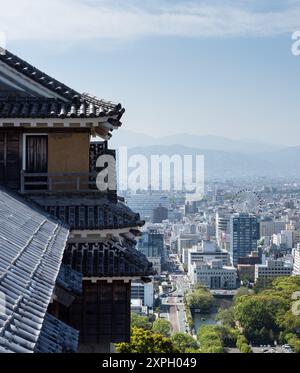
(204, 67)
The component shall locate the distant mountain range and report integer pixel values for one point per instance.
(208, 142)
(224, 158)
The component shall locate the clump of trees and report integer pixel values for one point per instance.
(156, 337)
(228, 335)
(147, 342)
(215, 338)
(210, 339)
(226, 317)
(200, 298)
(267, 315)
(188, 314)
(142, 322)
(185, 343)
(260, 316)
(162, 327)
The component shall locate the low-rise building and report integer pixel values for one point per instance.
(272, 269)
(206, 252)
(270, 227)
(214, 275)
(138, 308)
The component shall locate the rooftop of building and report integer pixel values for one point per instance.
(28, 93)
(31, 251)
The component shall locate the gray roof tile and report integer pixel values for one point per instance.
(57, 337)
(70, 280)
(31, 249)
(44, 107)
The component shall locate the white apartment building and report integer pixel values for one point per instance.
(272, 269)
(283, 238)
(214, 275)
(223, 228)
(296, 257)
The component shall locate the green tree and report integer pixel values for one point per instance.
(261, 285)
(184, 342)
(294, 342)
(291, 323)
(242, 344)
(228, 335)
(241, 339)
(141, 322)
(162, 327)
(241, 292)
(200, 299)
(258, 315)
(210, 339)
(245, 349)
(226, 316)
(147, 342)
(264, 315)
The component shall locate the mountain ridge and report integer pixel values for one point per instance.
(209, 142)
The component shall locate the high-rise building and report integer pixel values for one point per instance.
(187, 241)
(151, 244)
(244, 233)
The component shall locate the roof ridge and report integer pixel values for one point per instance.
(38, 75)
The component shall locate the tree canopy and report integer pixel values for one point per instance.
(226, 316)
(210, 339)
(184, 342)
(162, 327)
(267, 315)
(200, 299)
(140, 322)
(146, 341)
